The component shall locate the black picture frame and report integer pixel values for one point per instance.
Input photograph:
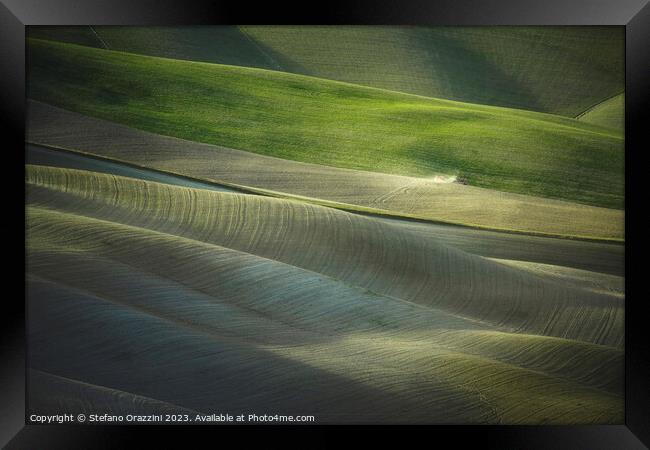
(633, 14)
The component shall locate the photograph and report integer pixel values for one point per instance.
(325, 224)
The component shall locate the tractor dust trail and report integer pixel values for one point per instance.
(443, 179)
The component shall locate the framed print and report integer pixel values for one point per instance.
(422, 219)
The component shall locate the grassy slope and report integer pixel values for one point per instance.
(563, 70)
(607, 258)
(360, 251)
(609, 113)
(325, 326)
(339, 378)
(593, 281)
(336, 124)
(420, 197)
(215, 44)
(598, 257)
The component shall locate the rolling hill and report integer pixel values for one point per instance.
(366, 224)
(596, 258)
(561, 70)
(435, 198)
(335, 124)
(360, 251)
(346, 314)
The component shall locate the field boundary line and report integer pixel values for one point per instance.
(356, 209)
(592, 107)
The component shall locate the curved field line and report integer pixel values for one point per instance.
(439, 374)
(336, 124)
(559, 70)
(50, 394)
(361, 251)
(298, 309)
(343, 188)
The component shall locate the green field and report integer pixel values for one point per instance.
(353, 249)
(562, 70)
(336, 124)
(366, 224)
(344, 302)
(609, 113)
(433, 198)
